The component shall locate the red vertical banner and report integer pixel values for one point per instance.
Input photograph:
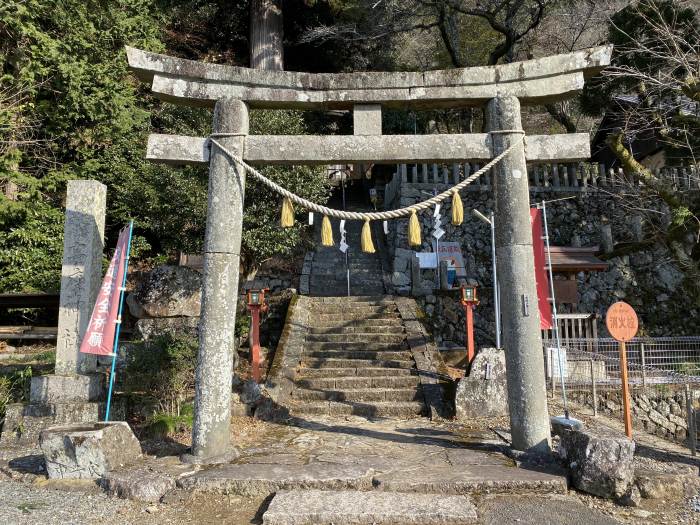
(99, 336)
(541, 270)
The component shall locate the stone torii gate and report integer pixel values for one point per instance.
(231, 91)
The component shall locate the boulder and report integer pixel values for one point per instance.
(88, 450)
(167, 291)
(600, 461)
(138, 485)
(483, 393)
(149, 328)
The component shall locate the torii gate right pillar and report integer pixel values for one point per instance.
(522, 340)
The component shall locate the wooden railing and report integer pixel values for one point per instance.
(574, 326)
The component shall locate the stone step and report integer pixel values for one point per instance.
(359, 395)
(358, 324)
(355, 345)
(355, 308)
(355, 267)
(309, 373)
(351, 316)
(398, 409)
(370, 299)
(352, 329)
(367, 338)
(334, 277)
(380, 355)
(335, 287)
(372, 284)
(311, 507)
(337, 272)
(322, 362)
(339, 383)
(325, 291)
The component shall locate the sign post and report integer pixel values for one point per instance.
(622, 323)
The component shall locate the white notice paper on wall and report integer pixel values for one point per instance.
(427, 259)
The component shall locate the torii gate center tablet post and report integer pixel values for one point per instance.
(501, 89)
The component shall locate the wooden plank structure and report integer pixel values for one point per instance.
(501, 89)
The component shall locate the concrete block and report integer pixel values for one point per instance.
(88, 451)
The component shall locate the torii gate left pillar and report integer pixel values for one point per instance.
(211, 440)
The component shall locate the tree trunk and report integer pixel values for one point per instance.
(266, 34)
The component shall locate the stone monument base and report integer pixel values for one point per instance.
(56, 400)
(54, 388)
(24, 423)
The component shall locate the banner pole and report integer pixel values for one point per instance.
(119, 323)
(555, 317)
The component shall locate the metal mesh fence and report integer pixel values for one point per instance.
(663, 377)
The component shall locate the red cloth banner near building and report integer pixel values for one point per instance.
(99, 336)
(541, 270)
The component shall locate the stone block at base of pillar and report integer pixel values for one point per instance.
(24, 423)
(66, 389)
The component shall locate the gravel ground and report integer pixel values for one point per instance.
(83, 503)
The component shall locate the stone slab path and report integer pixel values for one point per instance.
(355, 470)
(299, 507)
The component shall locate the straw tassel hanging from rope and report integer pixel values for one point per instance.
(414, 230)
(366, 238)
(326, 232)
(287, 218)
(457, 209)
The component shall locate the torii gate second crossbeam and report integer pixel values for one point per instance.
(501, 89)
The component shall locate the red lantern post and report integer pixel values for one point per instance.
(256, 305)
(469, 301)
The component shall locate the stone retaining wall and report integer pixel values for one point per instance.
(660, 411)
(649, 281)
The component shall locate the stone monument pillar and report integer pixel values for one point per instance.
(81, 272)
(222, 249)
(522, 340)
(73, 393)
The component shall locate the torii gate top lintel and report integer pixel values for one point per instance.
(366, 93)
(533, 81)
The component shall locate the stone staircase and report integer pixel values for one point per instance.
(356, 361)
(325, 272)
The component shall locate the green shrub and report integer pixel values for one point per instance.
(163, 425)
(163, 369)
(14, 388)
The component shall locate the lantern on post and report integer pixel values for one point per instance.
(256, 305)
(469, 301)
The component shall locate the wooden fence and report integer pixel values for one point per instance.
(571, 178)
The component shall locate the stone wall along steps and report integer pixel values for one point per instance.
(356, 361)
(328, 275)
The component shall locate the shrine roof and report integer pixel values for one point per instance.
(568, 259)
